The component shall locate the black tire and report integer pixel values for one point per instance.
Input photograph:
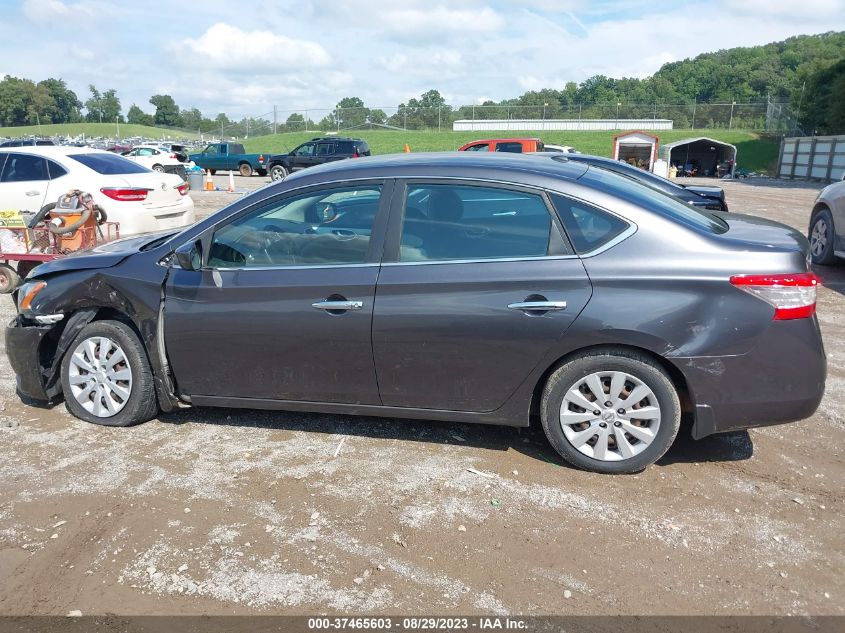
(261, 172)
(629, 362)
(9, 279)
(158, 168)
(822, 221)
(142, 404)
(24, 267)
(278, 172)
(245, 169)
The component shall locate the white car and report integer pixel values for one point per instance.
(566, 149)
(139, 199)
(152, 157)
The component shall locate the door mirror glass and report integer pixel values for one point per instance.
(189, 256)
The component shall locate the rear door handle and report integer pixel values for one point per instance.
(338, 305)
(538, 306)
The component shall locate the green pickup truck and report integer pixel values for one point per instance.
(231, 157)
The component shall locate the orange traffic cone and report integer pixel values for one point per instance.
(231, 182)
(209, 183)
(407, 148)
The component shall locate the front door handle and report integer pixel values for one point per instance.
(33, 193)
(337, 306)
(538, 306)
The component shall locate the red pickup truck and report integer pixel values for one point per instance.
(514, 145)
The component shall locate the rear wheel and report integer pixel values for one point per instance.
(822, 237)
(158, 168)
(277, 172)
(610, 411)
(106, 377)
(246, 170)
(9, 279)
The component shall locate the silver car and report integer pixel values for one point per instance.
(827, 225)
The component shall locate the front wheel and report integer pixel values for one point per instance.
(106, 377)
(277, 172)
(822, 237)
(611, 411)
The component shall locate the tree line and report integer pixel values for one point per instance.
(807, 72)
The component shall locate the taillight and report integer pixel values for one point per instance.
(125, 194)
(261, 158)
(793, 296)
(356, 155)
(183, 189)
(173, 156)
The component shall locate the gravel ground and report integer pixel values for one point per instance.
(233, 512)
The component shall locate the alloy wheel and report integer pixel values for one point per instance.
(100, 376)
(818, 237)
(610, 415)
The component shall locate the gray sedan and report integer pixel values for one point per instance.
(827, 224)
(491, 288)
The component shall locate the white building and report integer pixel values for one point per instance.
(539, 125)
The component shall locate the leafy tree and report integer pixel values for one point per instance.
(103, 107)
(139, 117)
(167, 112)
(824, 101)
(67, 105)
(351, 112)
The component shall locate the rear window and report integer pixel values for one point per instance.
(514, 148)
(654, 200)
(109, 164)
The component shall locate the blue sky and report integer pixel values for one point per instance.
(244, 58)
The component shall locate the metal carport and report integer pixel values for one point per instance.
(707, 152)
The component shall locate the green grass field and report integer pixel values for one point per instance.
(93, 130)
(754, 151)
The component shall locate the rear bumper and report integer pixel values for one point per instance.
(136, 219)
(782, 379)
(23, 345)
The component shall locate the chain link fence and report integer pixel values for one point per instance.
(760, 116)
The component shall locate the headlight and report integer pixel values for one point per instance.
(27, 293)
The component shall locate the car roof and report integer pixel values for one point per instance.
(494, 165)
(508, 139)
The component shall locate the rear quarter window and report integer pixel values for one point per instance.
(588, 227)
(653, 200)
(109, 164)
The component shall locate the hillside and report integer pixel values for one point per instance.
(92, 130)
(755, 152)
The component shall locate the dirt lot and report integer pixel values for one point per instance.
(232, 512)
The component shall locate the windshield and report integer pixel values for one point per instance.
(653, 199)
(109, 164)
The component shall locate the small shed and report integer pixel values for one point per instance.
(637, 148)
(701, 156)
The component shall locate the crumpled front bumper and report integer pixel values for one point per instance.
(23, 347)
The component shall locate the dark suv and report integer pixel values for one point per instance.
(319, 150)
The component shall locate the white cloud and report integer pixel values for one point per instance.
(228, 47)
(432, 23)
(53, 10)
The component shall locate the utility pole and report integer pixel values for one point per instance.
(693, 112)
(543, 126)
(731, 120)
(438, 118)
(274, 119)
(117, 122)
(617, 115)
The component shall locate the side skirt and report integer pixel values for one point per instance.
(494, 417)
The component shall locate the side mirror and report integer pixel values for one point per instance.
(189, 256)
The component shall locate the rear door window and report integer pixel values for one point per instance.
(55, 170)
(588, 227)
(452, 222)
(324, 149)
(514, 148)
